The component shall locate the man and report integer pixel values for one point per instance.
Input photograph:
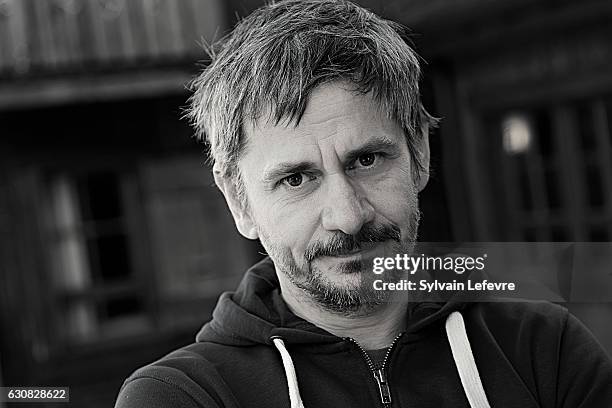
(320, 147)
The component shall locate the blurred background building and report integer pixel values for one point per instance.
(115, 243)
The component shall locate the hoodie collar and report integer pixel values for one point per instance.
(256, 311)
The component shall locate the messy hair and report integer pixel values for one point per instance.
(274, 58)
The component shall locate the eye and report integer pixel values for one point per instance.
(367, 160)
(294, 180)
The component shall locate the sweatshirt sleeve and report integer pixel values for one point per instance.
(585, 370)
(149, 392)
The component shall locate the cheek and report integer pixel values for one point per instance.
(288, 226)
(394, 196)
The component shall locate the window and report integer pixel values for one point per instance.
(139, 249)
(94, 278)
(557, 174)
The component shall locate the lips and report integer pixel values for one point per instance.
(363, 250)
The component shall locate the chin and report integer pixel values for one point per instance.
(347, 293)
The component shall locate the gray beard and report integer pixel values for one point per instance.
(349, 302)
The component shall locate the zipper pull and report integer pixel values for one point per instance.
(383, 386)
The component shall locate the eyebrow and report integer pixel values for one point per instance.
(284, 169)
(375, 144)
(287, 168)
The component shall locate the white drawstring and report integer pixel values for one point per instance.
(464, 360)
(462, 354)
(294, 391)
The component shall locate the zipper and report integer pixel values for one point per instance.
(379, 374)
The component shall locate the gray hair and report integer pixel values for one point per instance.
(275, 57)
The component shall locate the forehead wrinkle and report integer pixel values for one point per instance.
(324, 99)
(328, 151)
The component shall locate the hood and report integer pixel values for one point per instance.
(255, 312)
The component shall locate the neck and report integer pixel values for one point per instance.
(374, 330)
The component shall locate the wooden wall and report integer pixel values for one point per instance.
(41, 35)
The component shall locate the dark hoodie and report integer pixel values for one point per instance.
(528, 354)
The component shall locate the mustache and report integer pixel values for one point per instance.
(342, 244)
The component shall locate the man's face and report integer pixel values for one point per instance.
(329, 195)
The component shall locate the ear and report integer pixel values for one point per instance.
(423, 152)
(242, 218)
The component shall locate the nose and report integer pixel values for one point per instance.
(346, 209)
